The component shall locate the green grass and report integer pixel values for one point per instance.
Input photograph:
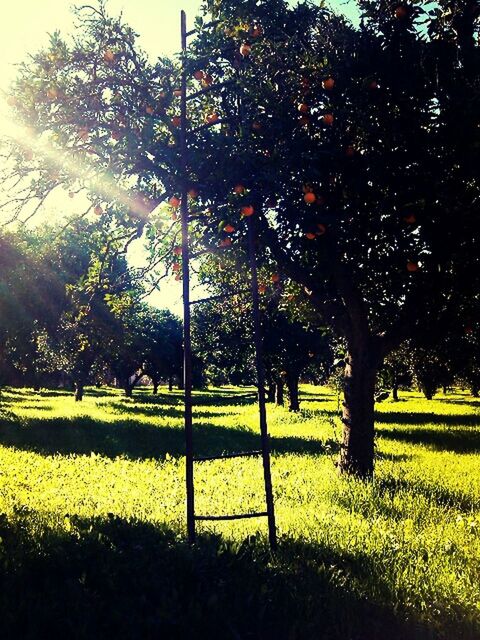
(92, 521)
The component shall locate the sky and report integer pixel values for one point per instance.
(24, 28)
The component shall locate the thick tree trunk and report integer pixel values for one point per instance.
(279, 400)
(155, 387)
(78, 391)
(292, 386)
(474, 391)
(128, 388)
(36, 387)
(357, 453)
(170, 383)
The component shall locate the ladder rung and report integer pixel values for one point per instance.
(240, 454)
(238, 516)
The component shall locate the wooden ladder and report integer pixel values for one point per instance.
(264, 451)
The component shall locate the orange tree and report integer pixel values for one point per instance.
(354, 151)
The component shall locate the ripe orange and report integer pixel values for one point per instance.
(176, 267)
(109, 56)
(247, 210)
(309, 197)
(177, 93)
(211, 118)
(225, 243)
(174, 202)
(350, 151)
(245, 49)
(303, 108)
(207, 80)
(328, 119)
(52, 93)
(373, 84)
(178, 277)
(256, 31)
(150, 110)
(199, 75)
(412, 266)
(310, 236)
(193, 193)
(328, 84)
(321, 229)
(275, 277)
(229, 228)
(176, 121)
(117, 135)
(239, 189)
(304, 120)
(401, 12)
(98, 210)
(177, 251)
(262, 288)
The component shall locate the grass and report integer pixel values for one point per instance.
(92, 521)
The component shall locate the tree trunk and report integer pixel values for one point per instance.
(395, 386)
(279, 400)
(78, 391)
(271, 392)
(474, 391)
(170, 383)
(155, 387)
(292, 386)
(36, 387)
(128, 388)
(357, 453)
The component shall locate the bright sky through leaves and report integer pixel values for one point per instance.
(24, 28)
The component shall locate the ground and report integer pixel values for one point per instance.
(92, 520)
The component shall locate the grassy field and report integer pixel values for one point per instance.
(92, 521)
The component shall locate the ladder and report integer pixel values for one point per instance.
(264, 451)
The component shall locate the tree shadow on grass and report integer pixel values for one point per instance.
(112, 578)
(452, 420)
(457, 440)
(135, 439)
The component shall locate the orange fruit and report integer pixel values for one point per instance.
(174, 202)
(211, 118)
(229, 228)
(245, 49)
(176, 121)
(71, 194)
(262, 288)
(207, 80)
(98, 210)
(328, 119)
(239, 189)
(177, 251)
(328, 84)
(193, 193)
(226, 242)
(256, 31)
(412, 266)
(177, 93)
(247, 210)
(303, 108)
(176, 267)
(275, 277)
(178, 277)
(109, 56)
(321, 229)
(117, 135)
(256, 126)
(150, 110)
(304, 120)
(52, 93)
(199, 75)
(373, 84)
(410, 219)
(310, 236)
(401, 12)
(309, 197)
